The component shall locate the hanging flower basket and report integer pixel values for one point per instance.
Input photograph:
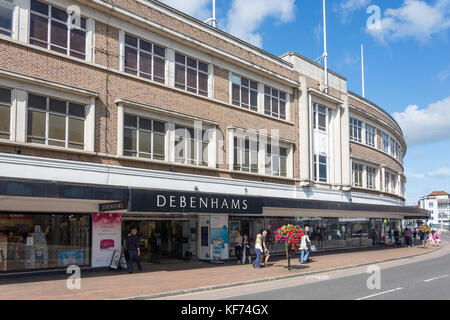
(291, 236)
(425, 229)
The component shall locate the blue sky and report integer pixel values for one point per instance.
(407, 62)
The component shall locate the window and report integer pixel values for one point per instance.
(55, 122)
(191, 75)
(49, 29)
(320, 117)
(190, 148)
(371, 174)
(389, 182)
(245, 154)
(355, 130)
(276, 161)
(320, 168)
(144, 59)
(392, 146)
(5, 113)
(274, 102)
(143, 138)
(370, 135)
(385, 142)
(6, 16)
(244, 93)
(399, 152)
(357, 175)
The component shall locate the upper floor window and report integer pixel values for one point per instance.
(244, 93)
(275, 102)
(6, 16)
(49, 28)
(245, 154)
(392, 146)
(320, 117)
(389, 182)
(370, 135)
(399, 152)
(5, 113)
(385, 142)
(276, 161)
(320, 168)
(355, 130)
(143, 137)
(55, 122)
(371, 174)
(191, 74)
(190, 148)
(144, 59)
(357, 174)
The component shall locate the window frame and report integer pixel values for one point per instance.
(316, 113)
(152, 139)
(357, 171)
(8, 105)
(370, 135)
(371, 175)
(276, 155)
(278, 98)
(198, 142)
(47, 113)
(9, 6)
(139, 52)
(385, 142)
(48, 42)
(242, 87)
(240, 146)
(356, 130)
(317, 164)
(197, 70)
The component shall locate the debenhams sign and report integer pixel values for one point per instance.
(161, 201)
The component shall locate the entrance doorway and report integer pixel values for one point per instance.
(163, 239)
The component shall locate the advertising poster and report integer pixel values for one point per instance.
(106, 237)
(219, 231)
(70, 257)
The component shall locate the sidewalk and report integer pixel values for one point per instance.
(159, 280)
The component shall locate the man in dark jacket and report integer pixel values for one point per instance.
(134, 251)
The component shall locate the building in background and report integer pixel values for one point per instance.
(438, 204)
(136, 114)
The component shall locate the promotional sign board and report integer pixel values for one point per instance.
(219, 231)
(106, 237)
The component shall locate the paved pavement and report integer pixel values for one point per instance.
(159, 280)
(421, 277)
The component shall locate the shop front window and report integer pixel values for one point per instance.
(44, 241)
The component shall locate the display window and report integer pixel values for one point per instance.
(33, 241)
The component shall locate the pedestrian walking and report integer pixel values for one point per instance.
(308, 244)
(437, 238)
(389, 233)
(134, 251)
(374, 237)
(408, 236)
(304, 252)
(246, 250)
(414, 236)
(258, 250)
(396, 237)
(265, 250)
(423, 237)
(238, 247)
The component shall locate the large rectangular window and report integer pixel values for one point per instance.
(275, 102)
(357, 173)
(392, 146)
(320, 117)
(55, 122)
(190, 148)
(144, 138)
(276, 161)
(320, 168)
(144, 59)
(5, 113)
(371, 175)
(385, 142)
(191, 74)
(6, 16)
(244, 93)
(50, 29)
(30, 241)
(370, 135)
(355, 130)
(245, 154)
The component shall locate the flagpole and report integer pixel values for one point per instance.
(362, 71)
(325, 54)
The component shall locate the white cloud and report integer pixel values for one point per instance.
(345, 8)
(422, 126)
(435, 174)
(244, 18)
(200, 9)
(414, 19)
